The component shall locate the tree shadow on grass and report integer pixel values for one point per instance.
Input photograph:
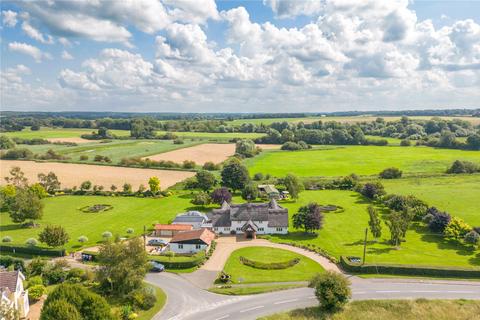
(297, 235)
(360, 243)
(77, 246)
(475, 260)
(442, 242)
(11, 227)
(359, 199)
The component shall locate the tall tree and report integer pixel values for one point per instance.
(17, 177)
(308, 218)
(54, 236)
(49, 181)
(154, 184)
(246, 148)
(374, 222)
(398, 223)
(122, 267)
(205, 180)
(235, 175)
(294, 185)
(26, 206)
(250, 192)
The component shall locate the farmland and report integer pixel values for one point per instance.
(303, 271)
(200, 154)
(49, 133)
(361, 160)
(216, 136)
(71, 175)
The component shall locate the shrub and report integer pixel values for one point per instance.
(269, 265)
(210, 166)
(54, 274)
(188, 164)
(106, 235)
(83, 157)
(130, 230)
(439, 221)
(472, 237)
(59, 310)
(332, 290)
(14, 154)
(405, 143)
(372, 190)
(178, 141)
(34, 281)
(143, 298)
(54, 236)
(258, 176)
(36, 292)
(7, 239)
(7, 261)
(456, 228)
(36, 267)
(82, 239)
(201, 199)
(31, 242)
(391, 173)
(463, 167)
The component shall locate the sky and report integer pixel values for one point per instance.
(239, 56)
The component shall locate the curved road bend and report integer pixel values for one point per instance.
(188, 302)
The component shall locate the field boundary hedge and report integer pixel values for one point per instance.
(416, 270)
(269, 265)
(34, 251)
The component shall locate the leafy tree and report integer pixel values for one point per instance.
(220, 195)
(17, 177)
(372, 190)
(293, 184)
(473, 141)
(246, 148)
(463, 167)
(439, 220)
(7, 196)
(35, 292)
(49, 181)
(26, 206)
(205, 180)
(188, 164)
(201, 199)
(374, 222)
(123, 267)
(6, 143)
(250, 192)
(456, 228)
(391, 173)
(154, 184)
(472, 237)
(127, 188)
(235, 175)
(59, 310)
(54, 236)
(308, 218)
(398, 223)
(38, 190)
(86, 185)
(210, 166)
(332, 290)
(142, 128)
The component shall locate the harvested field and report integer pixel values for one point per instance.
(269, 146)
(214, 152)
(73, 140)
(71, 175)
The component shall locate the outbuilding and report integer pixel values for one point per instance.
(192, 241)
(169, 230)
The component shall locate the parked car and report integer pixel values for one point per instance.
(157, 266)
(157, 242)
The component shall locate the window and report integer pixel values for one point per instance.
(198, 246)
(216, 229)
(279, 229)
(180, 246)
(239, 229)
(260, 229)
(226, 229)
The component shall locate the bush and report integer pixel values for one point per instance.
(439, 221)
(472, 237)
(14, 154)
(54, 274)
(31, 242)
(210, 166)
(83, 157)
(36, 292)
(178, 141)
(33, 251)
(107, 235)
(372, 190)
(463, 167)
(35, 281)
(82, 239)
(332, 290)
(201, 199)
(7, 239)
(187, 164)
(220, 195)
(130, 230)
(258, 176)
(456, 228)
(143, 298)
(59, 310)
(391, 173)
(405, 143)
(269, 265)
(7, 261)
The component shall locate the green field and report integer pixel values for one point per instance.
(391, 310)
(361, 160)
(127, 212)
(343, 234)
(303, 271)
(50, 133)
(457, 194)
(214, 135)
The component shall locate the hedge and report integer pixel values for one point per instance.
(7, 261)
(269, 265)
(34, 251)
(407, 269)
(170, 263)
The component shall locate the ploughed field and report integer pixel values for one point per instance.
(70, 174)
(361, 160)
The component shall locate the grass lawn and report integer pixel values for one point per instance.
(343, 234)
(303, 271)
(50, 133)
(245, 290)
(391, 141)
(457, 194)
(362, 160)
(127, 212)
(392, 310)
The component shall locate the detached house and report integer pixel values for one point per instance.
(250, 219)
(13, 295)
(191, 241)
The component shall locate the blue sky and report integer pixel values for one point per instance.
(230, 56)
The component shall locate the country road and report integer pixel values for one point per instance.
(188, 302)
